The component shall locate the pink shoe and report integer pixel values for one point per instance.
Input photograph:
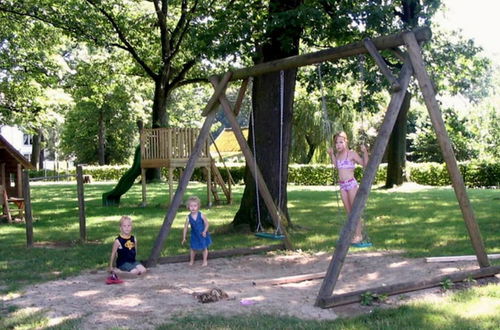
(113, 279)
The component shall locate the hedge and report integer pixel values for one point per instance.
(475, 173)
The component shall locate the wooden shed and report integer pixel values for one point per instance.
(12, 163)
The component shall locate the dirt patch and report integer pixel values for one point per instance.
(170, 290)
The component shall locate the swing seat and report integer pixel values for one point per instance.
(269, 235)
(362, 244)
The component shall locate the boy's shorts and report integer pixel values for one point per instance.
(128, 266)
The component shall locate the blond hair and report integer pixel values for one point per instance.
(341, 134)
(194, 199)
(125, 218)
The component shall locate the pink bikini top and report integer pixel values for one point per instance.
(346, 163)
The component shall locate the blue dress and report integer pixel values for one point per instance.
(198, 242)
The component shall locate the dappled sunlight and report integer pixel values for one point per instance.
(124, 301)
(373, 276)
(86, 293)
(398, 264)
(484, 306)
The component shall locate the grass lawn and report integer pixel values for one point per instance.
(421, 221)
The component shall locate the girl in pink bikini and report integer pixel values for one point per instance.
(345, 161)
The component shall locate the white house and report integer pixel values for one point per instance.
(19, 140)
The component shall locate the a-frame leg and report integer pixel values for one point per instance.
(266, 195)
(359, 203)
(183, 183)
(427, 89)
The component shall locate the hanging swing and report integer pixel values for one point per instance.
(277, 235)
(361, 63)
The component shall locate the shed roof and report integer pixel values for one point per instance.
(7, 150)
(226, 141)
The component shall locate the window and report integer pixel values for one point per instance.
(27, 139)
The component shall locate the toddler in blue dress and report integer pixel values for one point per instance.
(200, 237)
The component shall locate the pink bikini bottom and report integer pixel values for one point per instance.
(348, 184)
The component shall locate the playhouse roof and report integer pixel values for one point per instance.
(10, 155)
(226, 141)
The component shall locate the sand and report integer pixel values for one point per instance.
(167, 290)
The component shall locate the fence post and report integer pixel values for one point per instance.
(81, 202)
(28, 216)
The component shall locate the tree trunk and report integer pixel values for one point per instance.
(35, 148)
(396, 150)
(272, 129)
(101, 136)
(159, 119)
(311, 149)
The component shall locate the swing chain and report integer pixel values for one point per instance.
(361, 68)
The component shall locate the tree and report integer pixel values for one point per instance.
(101, 128)
(168, 40)
(29, 75)
(272, 103)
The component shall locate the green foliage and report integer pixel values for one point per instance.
(475, 173)
(323, 175)
(424, 146)
(368, 298)
(446, 284)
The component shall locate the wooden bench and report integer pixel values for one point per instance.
(5, 201)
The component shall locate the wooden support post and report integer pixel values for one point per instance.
(359, 203)
(81, 203)
(181, 188)
(372, 49)
(264, 191)
(241, 96)
(429, 95)
(170, 183)
(352, 297)
(28, 215)
(219, 90)
(143, 184)
(209, 185)
(2, 174)
(19, 181)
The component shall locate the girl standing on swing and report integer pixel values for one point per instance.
(345, 159)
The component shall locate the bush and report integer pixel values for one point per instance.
(475, 173)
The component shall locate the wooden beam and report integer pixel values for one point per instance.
(181, 189)
(359, 203)
(81, 202)
(331, 54)
(224, 253)
(264, 191)
(290, 279)
(219, 89)
(353, 297)
(28, 216)
(19, 181)
(241, 96)
(372, 49)
(429, 95)
(459, 258)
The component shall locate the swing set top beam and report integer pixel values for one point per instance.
(331, 54)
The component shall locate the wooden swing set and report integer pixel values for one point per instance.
(413, 65)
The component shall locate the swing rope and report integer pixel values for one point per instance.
(361, 68)
(328, 128)
(257, 195)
